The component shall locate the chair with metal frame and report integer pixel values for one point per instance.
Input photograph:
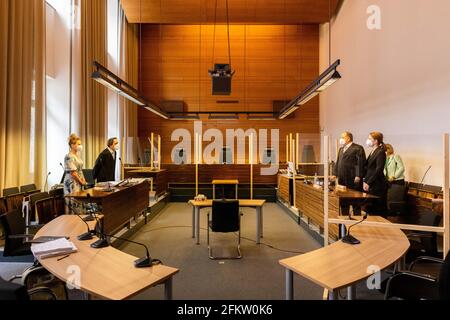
(16, 238)
(225, 218)
(410, 285)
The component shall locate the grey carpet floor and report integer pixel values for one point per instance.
(257, 276)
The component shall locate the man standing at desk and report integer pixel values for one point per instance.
(105, 165)
(349, 168)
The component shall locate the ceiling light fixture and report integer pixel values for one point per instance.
(268, 116)
(324, 81)
(105, 77)
(223, 116)
(185, 116)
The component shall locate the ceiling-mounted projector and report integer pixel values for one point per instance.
(221, 79)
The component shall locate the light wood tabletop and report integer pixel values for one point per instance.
(340, 265)
(251, 203)
(242, 203)
(108, 272)
(225, 182)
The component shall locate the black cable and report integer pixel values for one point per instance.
(248, 239)
(228, 31)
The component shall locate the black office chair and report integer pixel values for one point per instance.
(36, 283)
(29, 188)
(89, 177)
(225, 217)
(15, 234)
(396, 200)
(10, 191)
(410, 285)
(45, 210)
(424, 243)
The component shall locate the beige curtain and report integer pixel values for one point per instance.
(128, 70)
(22, 93)
(93, 112)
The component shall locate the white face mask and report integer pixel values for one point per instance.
(341, 141)
(80, 148)
(116, 147)
(369, 143)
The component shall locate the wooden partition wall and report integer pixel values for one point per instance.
(272, 63)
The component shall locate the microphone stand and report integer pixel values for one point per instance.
(348, 238)
(143, 262)
(102, 242)
(46, 180)
(87, 235)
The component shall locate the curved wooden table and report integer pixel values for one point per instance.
(341, 265)
(108, 272)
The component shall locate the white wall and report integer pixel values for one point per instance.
(395, 80)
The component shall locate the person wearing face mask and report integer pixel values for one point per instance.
(105, 165)
(349, 167)
(394, 168)
(394, 171)
(73, 169)
(375, 181)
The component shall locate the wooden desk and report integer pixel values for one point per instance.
(309, 201)
(340, 265)
(159, 177)
(107, 272)
(225, 182)
(118, 206)
(197, 205)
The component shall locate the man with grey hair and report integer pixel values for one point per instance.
(349, 167)
(105, 165)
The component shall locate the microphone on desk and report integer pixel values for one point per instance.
(143, 262)
(64, 173)
(348, 238)
(423, 178)
(87, 235)
(46, 181)
(102, 242)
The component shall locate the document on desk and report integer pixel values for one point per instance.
(53, 248)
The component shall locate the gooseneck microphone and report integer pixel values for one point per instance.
(423, 178)
(64, 173)
(144, 261)
(102, 242)
(87, 235)
(46, 181)
(348, 237)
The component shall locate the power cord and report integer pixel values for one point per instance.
(248, 239)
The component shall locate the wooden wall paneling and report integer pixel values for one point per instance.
(173, 69)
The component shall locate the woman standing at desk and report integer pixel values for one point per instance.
(375, 180)
(73, 170)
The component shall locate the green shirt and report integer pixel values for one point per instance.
(394, 167)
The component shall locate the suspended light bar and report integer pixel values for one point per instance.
(324, 81)
(105, 77)
(185, 116)
(222, 116)
(268, 116)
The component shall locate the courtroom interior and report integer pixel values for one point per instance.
(224, 150)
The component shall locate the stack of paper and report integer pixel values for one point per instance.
(53, 248)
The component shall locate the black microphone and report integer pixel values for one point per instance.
(102, 242)
(348, 237)
(143, 262)
(46, 180)
(87, 235)
(423, 178)
(64, 173)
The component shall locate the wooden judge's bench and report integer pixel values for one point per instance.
(117, 206)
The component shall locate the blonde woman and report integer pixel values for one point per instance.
(73, 169)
